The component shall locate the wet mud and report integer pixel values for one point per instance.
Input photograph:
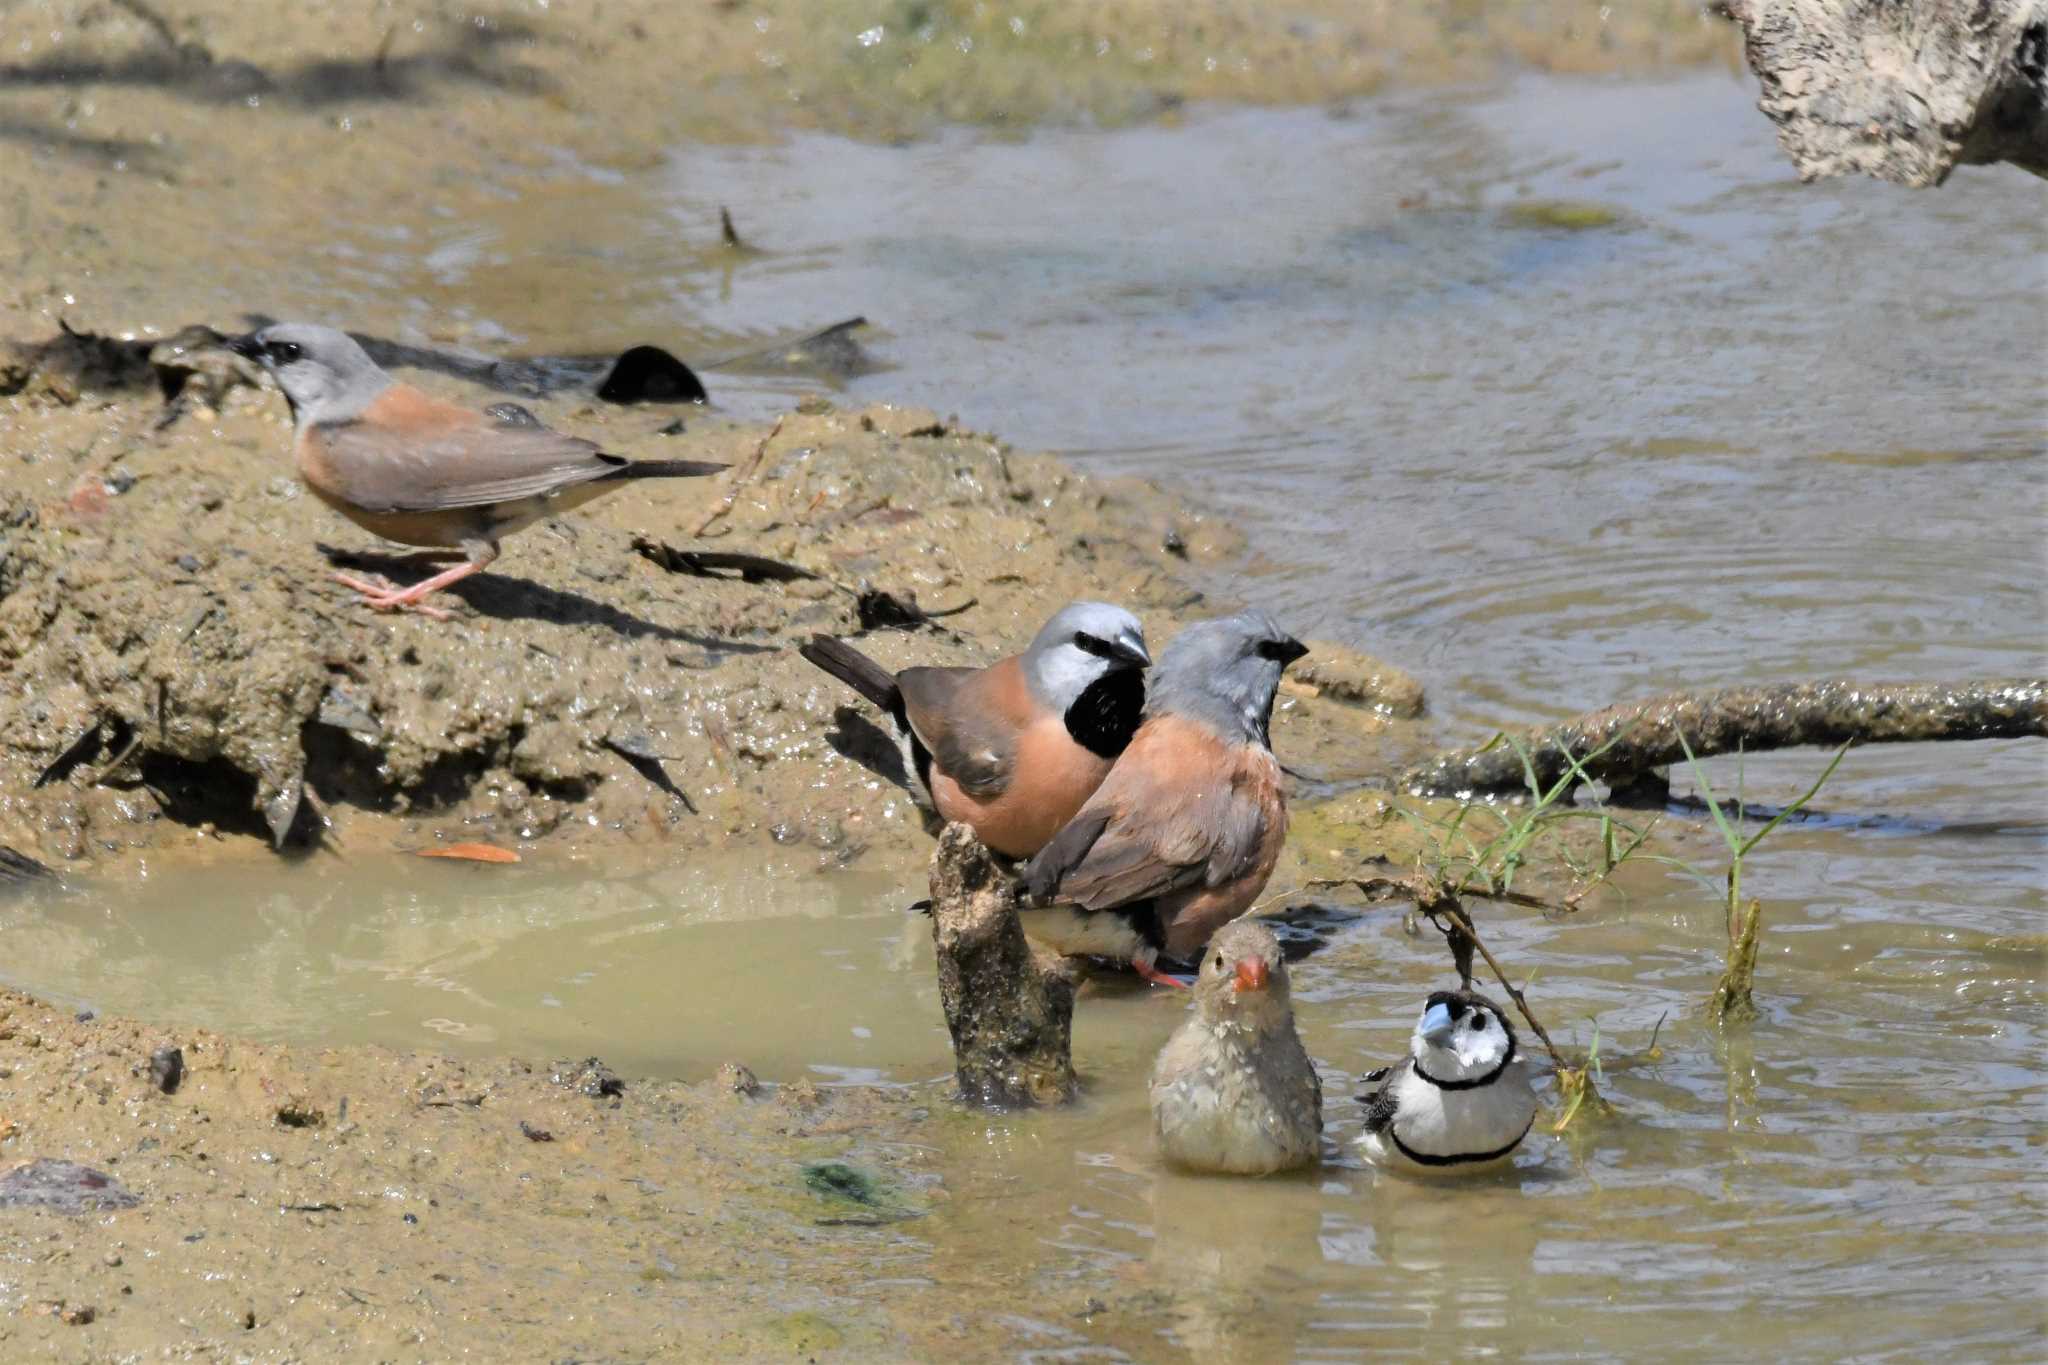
(187, 667)
(360, 1203)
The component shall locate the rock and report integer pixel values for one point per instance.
(63, 1187)
(737, 1078)
(648, 374)
(298, 1112)
(1343, 674)
(1905, 91)
(589, 1077)
(167, 1069)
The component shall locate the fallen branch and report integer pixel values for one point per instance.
(1010, 1008)
(1905, 90)
(1645, 736)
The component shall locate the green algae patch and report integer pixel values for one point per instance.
(1565, 215)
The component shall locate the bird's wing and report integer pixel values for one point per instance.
(412, 453)
(1178, 810)
(1379, 1105)
(969, 721)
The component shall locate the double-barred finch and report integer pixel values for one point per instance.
(1181, 836)
(411, 468)
(1461, 1101)
(1012, 750)
(1234, 1091)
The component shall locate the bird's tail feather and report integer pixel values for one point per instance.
(855, 669)
(669, 469)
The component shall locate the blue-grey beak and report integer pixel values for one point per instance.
(247, 347)
(1437, 1025)
(1130, 647)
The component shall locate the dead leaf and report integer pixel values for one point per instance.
(474, 853)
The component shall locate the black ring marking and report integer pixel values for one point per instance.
(1460, 1158)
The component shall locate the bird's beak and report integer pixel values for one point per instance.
(1130, 648)
(1436, 1025)
(1290, 650)
(247, 347)
(1251, 974)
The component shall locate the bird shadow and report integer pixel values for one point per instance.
(505, 597)
(859, 740)
(466, 54)
(103, 151)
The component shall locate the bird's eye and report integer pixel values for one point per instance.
(284, 352)
(1219, 962)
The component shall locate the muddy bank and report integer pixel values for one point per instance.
(186, 160)
(361, 1203)
(182, 664)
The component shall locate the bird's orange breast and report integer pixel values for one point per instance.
(1050, 778)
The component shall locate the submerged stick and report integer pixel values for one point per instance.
(1637, 738)
(1009, 1008)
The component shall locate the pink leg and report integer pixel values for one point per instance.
(1143, 967)
(383, 597)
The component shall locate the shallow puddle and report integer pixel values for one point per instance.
(1559, 396)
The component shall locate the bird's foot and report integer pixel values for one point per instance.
(1158, 978)
(381, 594)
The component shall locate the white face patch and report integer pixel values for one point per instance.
(1060, 675)
(1479, 1041)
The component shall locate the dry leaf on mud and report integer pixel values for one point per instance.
(475, 853)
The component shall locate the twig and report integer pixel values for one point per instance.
(1433, 899)
(746, 471)
(1463, 921)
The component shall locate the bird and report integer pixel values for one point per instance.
(1460, 1101)
(1234, 1091)
(412, 468)
(1181, 836)
(1012, 750)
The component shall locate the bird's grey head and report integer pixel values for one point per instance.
(325, 375)
(1224, 673)
(1242, 982)
(1461, 1036)
(1083, 642)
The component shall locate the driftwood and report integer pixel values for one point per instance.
(1645, 736)
(1905, 90)
(1010, 1008)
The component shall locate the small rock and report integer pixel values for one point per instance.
(167, 1069)
(1346, 675)
(297, 1112)
(735, 1076)
(589, 1077)
(86, 1016)
(648, 374)
(111, 1259)
(78, 1315)
(533, 1134)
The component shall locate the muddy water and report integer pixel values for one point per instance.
(1556, 396)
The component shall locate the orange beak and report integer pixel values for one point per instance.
(1251, 974)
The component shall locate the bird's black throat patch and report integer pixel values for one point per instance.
(1105, 716)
